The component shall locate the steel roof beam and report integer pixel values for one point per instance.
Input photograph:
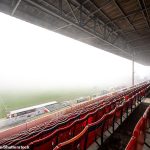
(109, 29)
(15, 8)
(127, 15)
(76, 8)
(112, 30)
(140, 38)
(72, 11)
(146, 46)
(128, 32)
(123, 13)
(35, 4)
(99, 9)
(88, 16)
(90, 37)
(147, 19)
(59, 9)
(143, 51)
(142, 6)
(63, 13)
(65, 26)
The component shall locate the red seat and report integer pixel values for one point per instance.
(119, 113)
(126, 97)
(139, 96)
(49, 129)
(60, 135)
(100, 113)
(38, 134)
(113, 104)
(66, 133)
(108, 108)
(132, 144)
(80, 125)
(86, 111)
(48, 142)
(109, 121)
(139, 133)
(140, 127)
(147, 117)
(142, 93)
(61, 124)
(25, 141)
(92, 117)
(134, 101)
(78, 142)
(95, 131)
(125, 108)
(129, 106)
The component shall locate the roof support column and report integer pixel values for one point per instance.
(133, 70)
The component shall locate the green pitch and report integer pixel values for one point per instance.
(11, 101)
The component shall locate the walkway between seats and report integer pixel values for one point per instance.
(122, 135)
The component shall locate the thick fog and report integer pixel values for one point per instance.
(33, 58)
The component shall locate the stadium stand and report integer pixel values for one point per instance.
(87, 123)
(138, 139)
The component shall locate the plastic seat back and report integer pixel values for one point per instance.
(139, 132)
(119, 113)
(147, 117)
(48, 142)
(109, 120)
(80, 125)
(95, 130)
(132, 144)
(100, 113)
(78, 142)
(66, 133)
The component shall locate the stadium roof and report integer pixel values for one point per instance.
(121, 27)
(32, 107)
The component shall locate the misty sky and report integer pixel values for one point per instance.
(35, 58)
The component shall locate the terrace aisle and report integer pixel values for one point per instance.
(122, 135)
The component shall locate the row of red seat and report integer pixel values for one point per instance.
(138, 138)
(95, 130)
(62, 134)
(54, 125)
(81, 117)
(45, 125)
(24, 134)
(74, 116)
(36, 130)
(30, 134)
(65, 133)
